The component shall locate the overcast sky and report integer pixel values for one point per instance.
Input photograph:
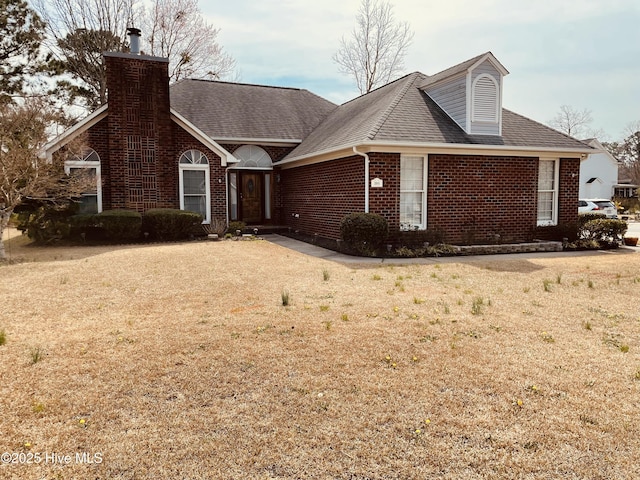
(581, 53)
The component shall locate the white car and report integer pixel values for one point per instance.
(599, 206)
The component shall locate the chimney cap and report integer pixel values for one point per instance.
(133, 31)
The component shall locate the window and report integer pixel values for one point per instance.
(413, 205)
(195, 192)
(485, 99)
(548, 192)
(87, 162)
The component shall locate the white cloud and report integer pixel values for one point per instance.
(577, 52)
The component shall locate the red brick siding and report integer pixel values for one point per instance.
(471, 198)
(474, 198)
(385, 201)
(322, 194)
(140, 128)
(569, 190)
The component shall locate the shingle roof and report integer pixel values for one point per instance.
(402, 112)
(233, 111)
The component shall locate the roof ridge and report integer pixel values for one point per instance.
(385, 115)
(241, 84)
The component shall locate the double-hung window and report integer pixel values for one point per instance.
(413, 198)
(548, 192)
(195, 192)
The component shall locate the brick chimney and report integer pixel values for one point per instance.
(140, 166)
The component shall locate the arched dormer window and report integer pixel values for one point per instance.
(87, 162)
(195, 189)
(485, 100)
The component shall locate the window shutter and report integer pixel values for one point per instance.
(485, 100)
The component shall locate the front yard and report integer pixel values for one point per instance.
(181, 361)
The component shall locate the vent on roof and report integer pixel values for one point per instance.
(485, 99)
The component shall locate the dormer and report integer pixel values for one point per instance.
(471, 94)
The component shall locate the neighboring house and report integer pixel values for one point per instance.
(598, 173)
(625, 188)
(423, 151)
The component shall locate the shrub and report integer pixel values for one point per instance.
(120, 225)
(218, 226)
(46, 224)
(364, 232)
(417, 238)
(235, 226)
(606, 231)
(557, 232)
(167, 224)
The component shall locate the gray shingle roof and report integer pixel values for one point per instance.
(402, 112)
(233, 111)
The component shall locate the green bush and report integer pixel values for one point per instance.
(167, 224)
(417, 238)
(235, 226)
(606, 231)
(120, 225)
(364, 232)
(46, 224)
(587, 217)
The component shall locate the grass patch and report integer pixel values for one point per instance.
(3, 337)
(291, 392)
(284, 297)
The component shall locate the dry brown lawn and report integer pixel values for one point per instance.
(179, 361)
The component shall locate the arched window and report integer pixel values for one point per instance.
(87, 162)
(252, 156)
(485, 99)
(195, 190)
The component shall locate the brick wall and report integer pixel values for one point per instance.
(322, 194)
(473, 199)
(140, 133)
(569, 181)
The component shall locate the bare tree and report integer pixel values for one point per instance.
(629, 152)
(23, 173)
(177, 30)
(571, 121)
(374, 54)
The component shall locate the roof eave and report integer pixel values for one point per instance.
(432, 148)
(75, 131)
(225, 156)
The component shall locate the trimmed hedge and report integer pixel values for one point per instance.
(112, 225)
(168, 224)
(364, 232)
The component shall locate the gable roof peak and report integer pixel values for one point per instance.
(464, 68)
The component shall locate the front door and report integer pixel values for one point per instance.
(251, 197)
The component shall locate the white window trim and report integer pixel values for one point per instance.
(207, 179)
(425, 170)
(70, 164)
(473, 99)
(556, 190)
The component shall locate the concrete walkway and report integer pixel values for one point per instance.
(320, 252)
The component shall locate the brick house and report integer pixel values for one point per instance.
(423, 151)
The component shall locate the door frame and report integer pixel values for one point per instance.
(239, 184)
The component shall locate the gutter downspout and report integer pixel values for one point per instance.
(366, 178)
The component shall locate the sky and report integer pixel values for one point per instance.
(580, 53)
